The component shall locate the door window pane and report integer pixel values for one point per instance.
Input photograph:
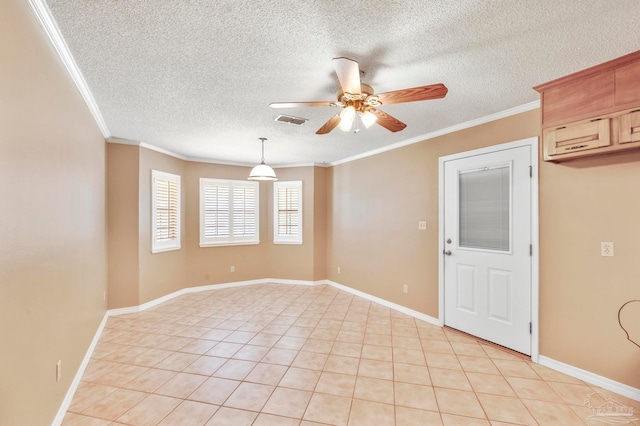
(484, 208)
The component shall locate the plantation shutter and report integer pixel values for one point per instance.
(228, 212)
(288, 223)
(288, 212)
(244, 210)
(165, 211)
(216, 211)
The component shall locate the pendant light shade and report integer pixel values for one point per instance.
(262, 171)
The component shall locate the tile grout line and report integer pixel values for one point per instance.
(279, 315)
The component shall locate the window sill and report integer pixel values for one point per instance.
(163, 249)
(222, 244)
(299, 243)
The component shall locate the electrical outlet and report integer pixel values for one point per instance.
(606, 249)
(233, 269)
(422, 225)
(58, 370)
(405, 288)
(338, 269)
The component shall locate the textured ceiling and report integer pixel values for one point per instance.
(196, 76)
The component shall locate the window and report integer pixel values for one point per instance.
(228, 212)
(485, 208)
(165, 211)
(287, 215)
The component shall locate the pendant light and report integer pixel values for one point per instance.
(262, 171)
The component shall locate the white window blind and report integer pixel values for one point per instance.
(165, 211)
(287, 222)
(485, 208)
(228, 212)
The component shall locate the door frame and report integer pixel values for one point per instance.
(533, 144)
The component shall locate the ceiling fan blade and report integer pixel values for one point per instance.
(348, 75)
(301, 104)
(329, 125)
(388, 122)
(422, 93)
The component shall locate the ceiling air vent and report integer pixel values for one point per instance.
(291, 119)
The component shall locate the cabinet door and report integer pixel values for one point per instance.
(630, 127)
(627, 90)
(574, 138)
(577, 100)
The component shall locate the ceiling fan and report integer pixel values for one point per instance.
(359, 100)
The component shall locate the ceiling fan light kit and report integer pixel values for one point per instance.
(368, 118)
(358, 99)
(262, 171)
(347, 115)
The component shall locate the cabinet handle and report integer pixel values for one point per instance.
(569, 148)
(596, 119)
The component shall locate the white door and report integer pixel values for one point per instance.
(487, 247)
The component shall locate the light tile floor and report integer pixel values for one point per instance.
(311, 355)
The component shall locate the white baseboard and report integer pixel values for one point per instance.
(383, 302)
(66, 402)
(159, 300)
(594, 379)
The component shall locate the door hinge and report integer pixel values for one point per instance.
(530, 328)
(530, 171)
(530, 249)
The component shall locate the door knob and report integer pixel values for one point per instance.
(447, 253)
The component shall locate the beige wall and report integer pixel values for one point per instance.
(375, 204)
(212, 265)
(293, 261)
(160, 273)
(138, 276)
(373, 237)
(320, 176)
(123, 222)
(581, 204)
(53, 270)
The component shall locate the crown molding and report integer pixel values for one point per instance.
(43, 13)
(455, 128)
(163, 151)
(123, 141)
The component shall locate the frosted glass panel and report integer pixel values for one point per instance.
(484, 208)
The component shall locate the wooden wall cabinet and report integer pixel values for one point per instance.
(592, 112)
(630, 127)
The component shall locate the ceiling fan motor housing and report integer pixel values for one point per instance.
(359, 101)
